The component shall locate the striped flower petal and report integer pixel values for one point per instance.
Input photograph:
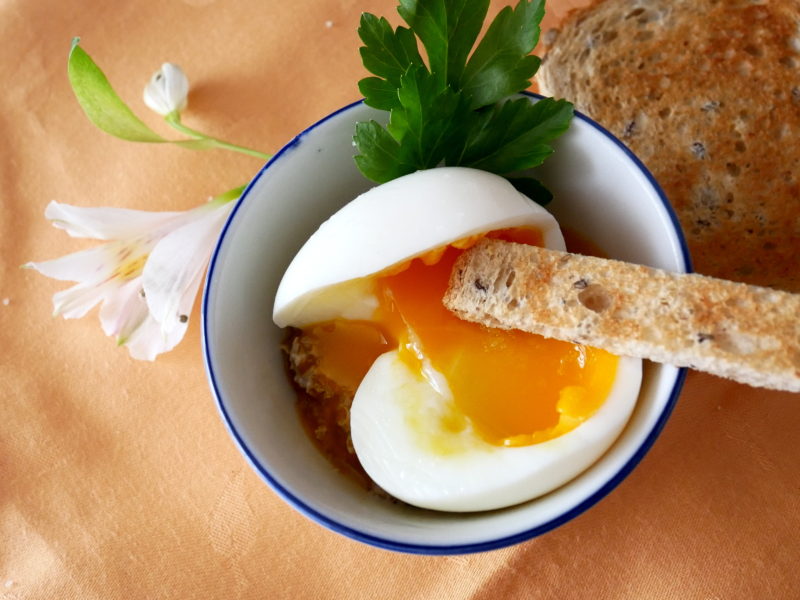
(104, 223)
(175, 268)
(146, 276)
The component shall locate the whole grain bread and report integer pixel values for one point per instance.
(707, 94)
(742, 332)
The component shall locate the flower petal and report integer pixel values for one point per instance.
(106, 223)
(177, 85)
(124, 310)
(174, 269)
(75, 302)
(148, 340)
(114, 273)
(167, 90)
(92, 265)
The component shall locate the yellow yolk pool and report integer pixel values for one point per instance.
(516, 388)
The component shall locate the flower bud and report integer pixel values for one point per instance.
(167, 90)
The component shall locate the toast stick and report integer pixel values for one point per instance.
(742, 332)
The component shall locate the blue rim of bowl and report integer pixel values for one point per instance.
(410, 548)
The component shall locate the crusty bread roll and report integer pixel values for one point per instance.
(746, 333)
(707, 94)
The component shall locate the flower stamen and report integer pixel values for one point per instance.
(130, 268)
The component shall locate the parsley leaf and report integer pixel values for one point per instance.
(388, 54)
(378, 93)
(382, 158)
(420, 128)
(455, 109)
(424, 122)
(502, 64)
(514, 135)
(448, 30)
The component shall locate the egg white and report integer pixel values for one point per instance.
(395, 427)
(396, 415)
(390, 224)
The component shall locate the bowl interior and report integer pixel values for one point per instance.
(600, 190)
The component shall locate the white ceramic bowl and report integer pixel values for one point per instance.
(600, 189)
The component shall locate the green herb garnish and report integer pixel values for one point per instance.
(455, 109)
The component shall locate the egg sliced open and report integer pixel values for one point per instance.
(446, 414)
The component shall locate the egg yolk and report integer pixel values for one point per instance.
(516, 388)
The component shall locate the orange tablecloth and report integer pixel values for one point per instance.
(118, 478)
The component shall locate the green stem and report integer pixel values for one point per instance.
(174, 120)
(229, 196)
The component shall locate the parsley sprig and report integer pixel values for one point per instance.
(455, 109)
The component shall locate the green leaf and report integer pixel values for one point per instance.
(427, 117)
(387, 53)
(100, 102)
(378, 93)
(514, 135)
(533, 189)
(196, 144)
(501, 64)
(381, 158)
(455, 110)
(448, 30)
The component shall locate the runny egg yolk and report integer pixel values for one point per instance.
(516, 388)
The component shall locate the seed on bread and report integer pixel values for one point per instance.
(742, 332)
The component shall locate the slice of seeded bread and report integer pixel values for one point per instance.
(707, 94)
(746, 333)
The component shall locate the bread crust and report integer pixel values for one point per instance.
(742, 332)
(707, 94)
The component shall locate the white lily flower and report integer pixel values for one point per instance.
(167, 90)
(146, 276)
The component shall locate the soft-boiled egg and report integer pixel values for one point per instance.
(448, 415)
